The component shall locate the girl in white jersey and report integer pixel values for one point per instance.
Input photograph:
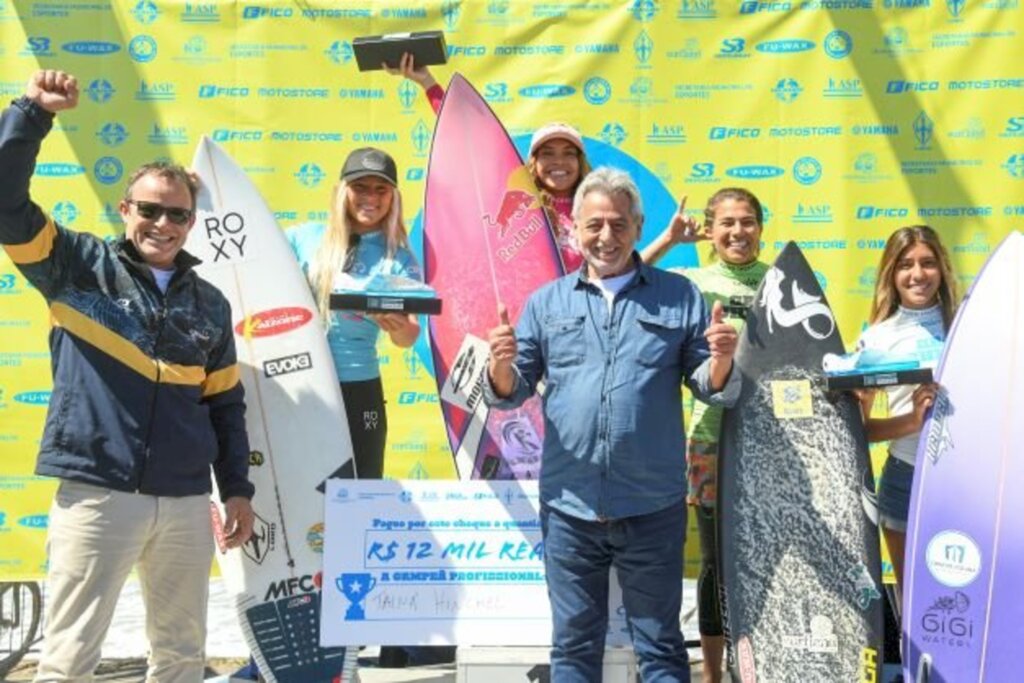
(913, 307)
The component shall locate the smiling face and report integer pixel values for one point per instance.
(157, 238)
(917, 276)
(558, 166)
(735, 232)
(607, 233)
(368, 201)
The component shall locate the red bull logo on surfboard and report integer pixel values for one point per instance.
(518, 215)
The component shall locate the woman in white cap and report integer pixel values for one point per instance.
(364, 236)
(558, 163)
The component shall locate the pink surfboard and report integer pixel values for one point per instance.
(486, 239)
(964, 615)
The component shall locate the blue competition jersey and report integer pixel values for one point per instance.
(352, 335)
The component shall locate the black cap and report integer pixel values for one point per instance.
(369, 161)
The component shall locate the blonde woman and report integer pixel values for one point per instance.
(364, 237)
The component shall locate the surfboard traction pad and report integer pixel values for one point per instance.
(287, 632)
(807, 599)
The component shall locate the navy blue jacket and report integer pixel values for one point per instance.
(146, 390)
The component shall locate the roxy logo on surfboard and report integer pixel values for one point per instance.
(274, 321)
(806, 307)
(225, 235)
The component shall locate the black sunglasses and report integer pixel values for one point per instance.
(152, 211)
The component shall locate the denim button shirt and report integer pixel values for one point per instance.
(613, 427)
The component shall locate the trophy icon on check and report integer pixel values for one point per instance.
(355, 587)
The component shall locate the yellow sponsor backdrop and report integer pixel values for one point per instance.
(848, 118)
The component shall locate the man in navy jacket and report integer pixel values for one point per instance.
(146, 399)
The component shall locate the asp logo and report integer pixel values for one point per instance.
(33, 398)
(273, 322)
(297, 362)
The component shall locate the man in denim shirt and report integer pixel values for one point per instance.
(613, 342)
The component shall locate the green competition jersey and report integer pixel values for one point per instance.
(735, 287)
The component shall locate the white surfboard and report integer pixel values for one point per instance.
(296, 421)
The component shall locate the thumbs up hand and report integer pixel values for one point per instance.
(720, 335)
(502, 340)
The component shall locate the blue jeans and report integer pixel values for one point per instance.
(647, 552)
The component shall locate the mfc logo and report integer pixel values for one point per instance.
(296, 362)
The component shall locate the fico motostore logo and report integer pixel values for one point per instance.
(287, 364)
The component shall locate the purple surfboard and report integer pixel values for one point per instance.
(964, 615)
(486, 240)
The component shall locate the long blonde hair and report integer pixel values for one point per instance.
(887, 298)
(335, 253)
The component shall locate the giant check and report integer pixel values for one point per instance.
(438, 562)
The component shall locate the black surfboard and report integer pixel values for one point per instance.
(801, 585)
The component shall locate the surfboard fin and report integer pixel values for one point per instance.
(924, 669)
